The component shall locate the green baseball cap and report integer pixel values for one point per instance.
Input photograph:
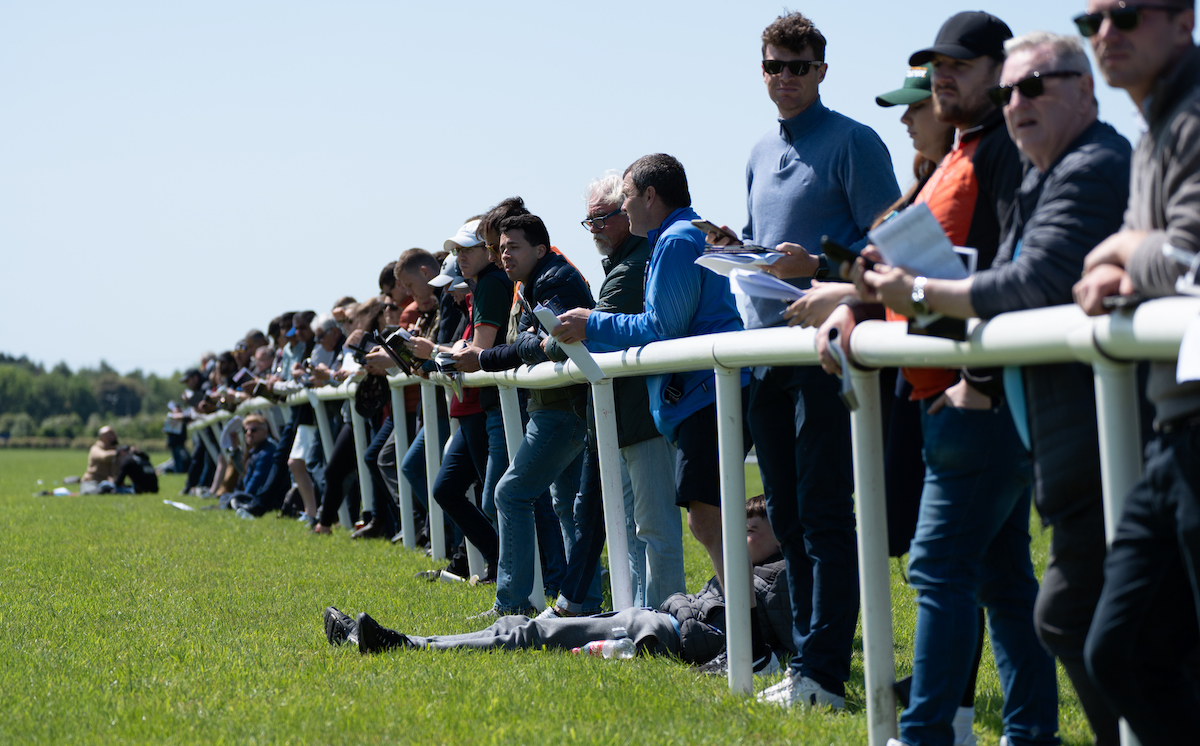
(916, 88)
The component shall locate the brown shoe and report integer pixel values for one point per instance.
(368, 531)
(319, 529)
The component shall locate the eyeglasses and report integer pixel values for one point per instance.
(799, 68)
(1126, 17)
(1030, 87)
(255, 430)
(597, 224)
(391, 307)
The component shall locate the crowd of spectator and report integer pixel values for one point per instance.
(1013, 161)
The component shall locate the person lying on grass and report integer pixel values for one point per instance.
(689, 626)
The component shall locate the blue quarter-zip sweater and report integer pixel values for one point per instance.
(682, 300)
(820, 174)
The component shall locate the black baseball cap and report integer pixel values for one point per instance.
(967, 35)
(190, 372)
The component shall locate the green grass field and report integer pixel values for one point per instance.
(125, 620)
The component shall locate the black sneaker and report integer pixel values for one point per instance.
(373, 637)
(764, 664)
(339, 628)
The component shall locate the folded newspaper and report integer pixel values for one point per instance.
(575, 350)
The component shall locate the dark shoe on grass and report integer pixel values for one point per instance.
(339, 628)
(373, 637)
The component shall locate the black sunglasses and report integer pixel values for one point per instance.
(799, 68)
(597, 224)
(1126, 17)
(1030, 87)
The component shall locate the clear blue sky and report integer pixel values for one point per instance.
(173, 174)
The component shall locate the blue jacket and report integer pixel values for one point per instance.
(682, 299)
(258, 468)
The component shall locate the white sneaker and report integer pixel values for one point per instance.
(896, 742)
(964, 718)
(803, 690)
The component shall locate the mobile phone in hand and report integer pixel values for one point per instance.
(839, 254)
(708, 227)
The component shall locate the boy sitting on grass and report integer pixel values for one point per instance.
(690, 626)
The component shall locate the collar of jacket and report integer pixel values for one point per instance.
(625, 249)
(682, 213)
(1173, 86)
(806, 121)
(994, 119)
(539, 270)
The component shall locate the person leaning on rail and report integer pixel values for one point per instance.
(972, 540)
(647, 458)
(681, 299)
(1141, 645)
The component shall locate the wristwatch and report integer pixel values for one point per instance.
(918, 296)
(822, 267)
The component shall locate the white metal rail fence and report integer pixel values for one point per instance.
(1110, 344)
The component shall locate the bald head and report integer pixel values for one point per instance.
(108, 436)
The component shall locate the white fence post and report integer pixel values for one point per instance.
(514, 435)
(436, 521)
(400, 430)
(732, 454)
(604, 405)
(210, 445)
(1120, 452)
(366, 490)
(879, 665)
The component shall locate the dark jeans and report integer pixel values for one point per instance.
(464, 463)
(201, 470)
(1066, 602)
(589, 531)
(1140, 649)
(802, 435)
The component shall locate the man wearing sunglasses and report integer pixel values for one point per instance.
(1071, 197)
(1145, 622)
(817, 173)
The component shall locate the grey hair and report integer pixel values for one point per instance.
(606, 188)
(324, 323)
(1067, 49)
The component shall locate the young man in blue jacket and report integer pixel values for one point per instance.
(682, 300)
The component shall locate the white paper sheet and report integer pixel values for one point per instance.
(915, 240)
(723, 264)
(762, 285)
(1188, 367)
(575, 350)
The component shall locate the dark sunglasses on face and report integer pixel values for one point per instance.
(1030, 87)
(1125, 17)
(598, 223)
(799, 68)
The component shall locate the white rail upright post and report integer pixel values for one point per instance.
(514, 435)
(210, 445)
(866, 437)
(1119, 424)
(215, 428)
(269, 415)
(327, 446)
(400, 431)
(436, 521)
(732, 455)
(604, 405)
(366, 492)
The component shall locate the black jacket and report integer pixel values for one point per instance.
(554, 283)
(1057, 217)
(701, 616)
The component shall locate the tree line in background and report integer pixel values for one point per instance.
(59, 406)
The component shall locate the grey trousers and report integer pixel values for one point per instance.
(652, 631)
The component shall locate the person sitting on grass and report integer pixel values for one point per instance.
(257, 491)
(691, 627)
(134, 464)
(100, 467)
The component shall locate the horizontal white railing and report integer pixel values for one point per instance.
(1111, 344)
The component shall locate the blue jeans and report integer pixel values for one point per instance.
(413, 464)
(802, 436)
(553, 440)
(972, 547)
(463, 464)
(656, 549)
(497, 460)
